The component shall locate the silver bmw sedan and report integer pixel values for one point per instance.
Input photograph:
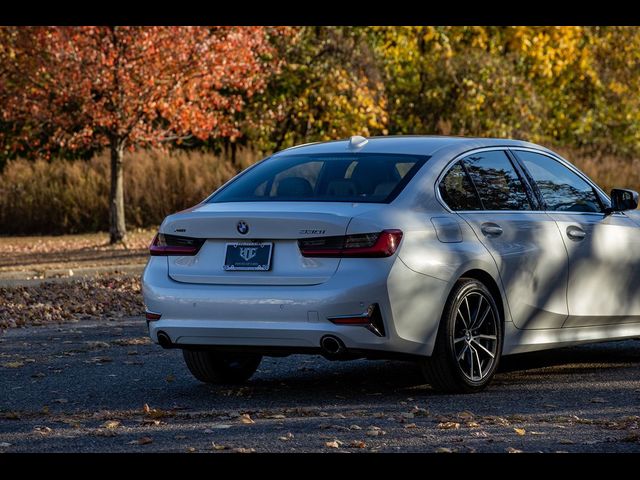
(447, 251)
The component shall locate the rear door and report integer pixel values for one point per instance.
(524, 241)
(603, 249)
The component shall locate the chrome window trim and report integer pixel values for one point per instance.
(551, 155)
(450, 165)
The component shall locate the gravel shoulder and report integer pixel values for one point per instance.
(100, 386)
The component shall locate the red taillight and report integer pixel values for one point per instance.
(164, 244)
(383, 244)
(152, 316)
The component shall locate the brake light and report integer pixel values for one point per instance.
(164, 244)
(382, 244)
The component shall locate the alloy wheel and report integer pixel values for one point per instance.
(475, 339)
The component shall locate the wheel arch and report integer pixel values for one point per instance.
(491, 284)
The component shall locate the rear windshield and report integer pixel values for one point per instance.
(354, 177)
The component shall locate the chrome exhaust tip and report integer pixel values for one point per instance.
(332, 346)
(164, 340)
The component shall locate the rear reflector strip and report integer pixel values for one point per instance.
(372, 319)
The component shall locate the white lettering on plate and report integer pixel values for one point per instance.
(247, 253)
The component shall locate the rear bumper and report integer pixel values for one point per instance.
(295, 317)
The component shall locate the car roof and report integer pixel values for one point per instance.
(408, 144)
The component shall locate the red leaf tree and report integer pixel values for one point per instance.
(126, 87)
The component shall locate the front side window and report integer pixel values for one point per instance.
(561, 189)
(352, 177)
(496, 181)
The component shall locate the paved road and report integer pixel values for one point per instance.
(83, 387)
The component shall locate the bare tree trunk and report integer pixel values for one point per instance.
(117, 227)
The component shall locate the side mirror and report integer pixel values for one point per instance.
(622, 199)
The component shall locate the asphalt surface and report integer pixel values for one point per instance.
(83, 387)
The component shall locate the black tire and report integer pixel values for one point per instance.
(210, 367)
(450, 370)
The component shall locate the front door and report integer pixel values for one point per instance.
(603, 250)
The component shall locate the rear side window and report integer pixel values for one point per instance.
(457, 191)
(351, 177)
(561, 189)
(497, 182)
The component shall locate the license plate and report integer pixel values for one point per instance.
(248, 256)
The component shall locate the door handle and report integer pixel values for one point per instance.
(491, 229)
(576, 233)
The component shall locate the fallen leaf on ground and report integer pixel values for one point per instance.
(154, 412)
(13, 364)
(286, 437)
(170, 378)
(355, 427)
(111, 424)
(10, 415)
(375, 432)
(448, 425)
(598, 400)
(150, 421)
(144, 441)
(520, 431)
(357, 444)
(443, 450)
(480, 434)
(473, 425)
(333, 444)
(180, 437)
(215, 446)
(566, 441)
(100, 360)
(61, 400)
(221, 426)
(191, 449)
(466, 415)
(246, 419)
(276, 417)
(410, 425)
(513, 450)
(244, 450)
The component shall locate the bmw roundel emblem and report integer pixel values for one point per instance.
(243, 227)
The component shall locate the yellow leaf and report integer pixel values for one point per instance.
(246, 419)
(448, 425)
(520, 431)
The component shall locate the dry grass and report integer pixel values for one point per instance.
(72, 196)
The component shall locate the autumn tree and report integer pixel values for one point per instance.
(82, 88)
(328, 87)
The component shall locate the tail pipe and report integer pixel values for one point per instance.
(332, 346)
(164, 340)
